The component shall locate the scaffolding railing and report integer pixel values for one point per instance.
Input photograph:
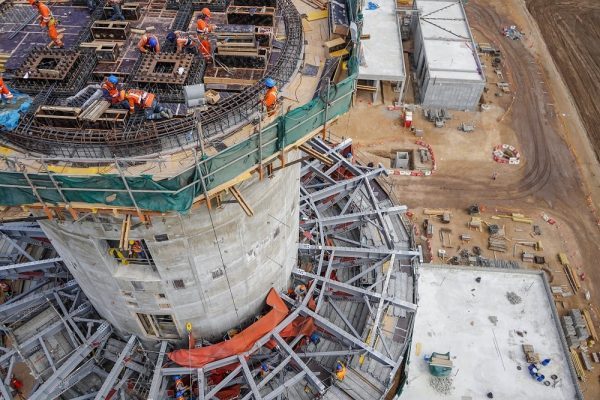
(178, 193)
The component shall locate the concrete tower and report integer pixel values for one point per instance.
(210, 268)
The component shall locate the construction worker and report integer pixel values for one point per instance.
(43, 10)
(147, 102)
(300, 292)
(54, 34)
(148, 43)
(5, 94)
(202, 27)
(315, 338)
(110, 89)
(270, 98)
(183, 41)
(205, 49)
(340, 370)
(135, 249)
(117, 11)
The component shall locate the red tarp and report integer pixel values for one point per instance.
(243, 341)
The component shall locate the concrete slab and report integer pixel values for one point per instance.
(449, 47)
(382, 52)
(453, 316)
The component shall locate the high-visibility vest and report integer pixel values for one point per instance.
(111, 90)
(201, 26)
(205, 48)
(270, 97)
(140, 98)
(45, 13)
(4, 90)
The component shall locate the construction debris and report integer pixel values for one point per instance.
(513, 298)
(512, 32)
(442, 385)
(530, 355)
(497, 243)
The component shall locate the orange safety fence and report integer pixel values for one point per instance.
(243, 341)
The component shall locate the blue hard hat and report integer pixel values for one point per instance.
(113, 79)
(152, 42)
(171, 37)
(270, 82)
(339, 367)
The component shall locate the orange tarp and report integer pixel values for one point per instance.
(243, 341)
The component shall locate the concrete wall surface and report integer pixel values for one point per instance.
(212, 272)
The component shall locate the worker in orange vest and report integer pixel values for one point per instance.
(110, 89)
(148, 43)
(147, 102)
(202, 26)
(54, 34)
(5, 94)
(270, 98)
(43, 10)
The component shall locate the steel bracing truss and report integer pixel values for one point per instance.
(52, 329)
(354, 244)
(356, 258)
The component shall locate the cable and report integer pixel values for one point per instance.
(222, 261)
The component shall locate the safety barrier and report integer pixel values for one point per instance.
(501, 157)
(178, 193)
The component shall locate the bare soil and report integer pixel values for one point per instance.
(558, 175)
(571, 30)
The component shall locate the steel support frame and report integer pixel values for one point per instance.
(114, 373)
(53, 384)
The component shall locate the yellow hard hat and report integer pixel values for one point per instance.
(131, 241)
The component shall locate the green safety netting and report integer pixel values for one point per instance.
(178, 193)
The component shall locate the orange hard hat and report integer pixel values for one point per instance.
(204, 11)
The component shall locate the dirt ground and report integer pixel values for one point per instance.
(558, 174)
(571, 30)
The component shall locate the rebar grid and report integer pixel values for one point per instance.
(146, 137)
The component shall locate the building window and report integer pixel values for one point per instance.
(164, 305)
(160, 326)
(135, 253)
(178, 284)
(161, 296)
(132, 303)
(137, 285)
(127, 294)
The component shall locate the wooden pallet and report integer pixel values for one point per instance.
(131, 11)
(105, 51)
(3, 59)
(590, 325)
(110, 30)
(578, 366)
(235, 76)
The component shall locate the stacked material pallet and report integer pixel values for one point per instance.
(3, 59)
(338, 18)
(575, 328)
(587, 363)
(497, 243)
(94, 111)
